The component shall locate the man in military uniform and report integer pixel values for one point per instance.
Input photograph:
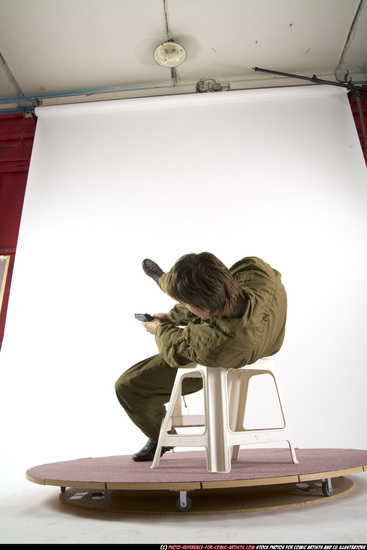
(224, 318)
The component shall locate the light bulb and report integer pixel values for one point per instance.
(169, 54)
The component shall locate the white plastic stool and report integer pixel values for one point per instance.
(225, 396)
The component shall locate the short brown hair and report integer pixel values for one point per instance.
(203, 281)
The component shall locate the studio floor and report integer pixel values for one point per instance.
(32, 513)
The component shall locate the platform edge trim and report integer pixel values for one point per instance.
(33, 479)
(159, 486)
(331, 473)
(223, 484)
(66, 483)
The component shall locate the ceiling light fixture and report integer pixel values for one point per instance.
(169, 54)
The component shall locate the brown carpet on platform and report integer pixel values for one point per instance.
(189, 466)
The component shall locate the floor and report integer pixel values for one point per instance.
(32, 513)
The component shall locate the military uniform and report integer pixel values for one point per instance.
(222, 342)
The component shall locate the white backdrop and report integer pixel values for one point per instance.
(275, 173)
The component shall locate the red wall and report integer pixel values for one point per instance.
(358, 107)
(16, 140)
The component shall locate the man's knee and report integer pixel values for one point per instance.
(122, 389)
(119, 384)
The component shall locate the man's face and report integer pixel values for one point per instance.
(202, 313)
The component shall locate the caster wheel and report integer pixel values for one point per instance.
(327, 488)
(184, 507)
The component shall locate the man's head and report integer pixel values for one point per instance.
(204, 285)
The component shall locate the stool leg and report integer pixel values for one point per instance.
(167, 420)
(216, 420)
(237, 404)
(286, 427)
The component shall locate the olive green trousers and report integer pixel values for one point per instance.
(143, 390)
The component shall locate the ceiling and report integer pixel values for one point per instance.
(68, 51)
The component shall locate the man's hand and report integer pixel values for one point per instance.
(150, 326)
(159, 318)
(164, 317)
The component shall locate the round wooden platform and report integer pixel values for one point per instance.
(209, 501)
(260, 479)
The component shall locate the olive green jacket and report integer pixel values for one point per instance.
(229, 342)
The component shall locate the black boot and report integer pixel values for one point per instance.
(152, 269)
(146, 454)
